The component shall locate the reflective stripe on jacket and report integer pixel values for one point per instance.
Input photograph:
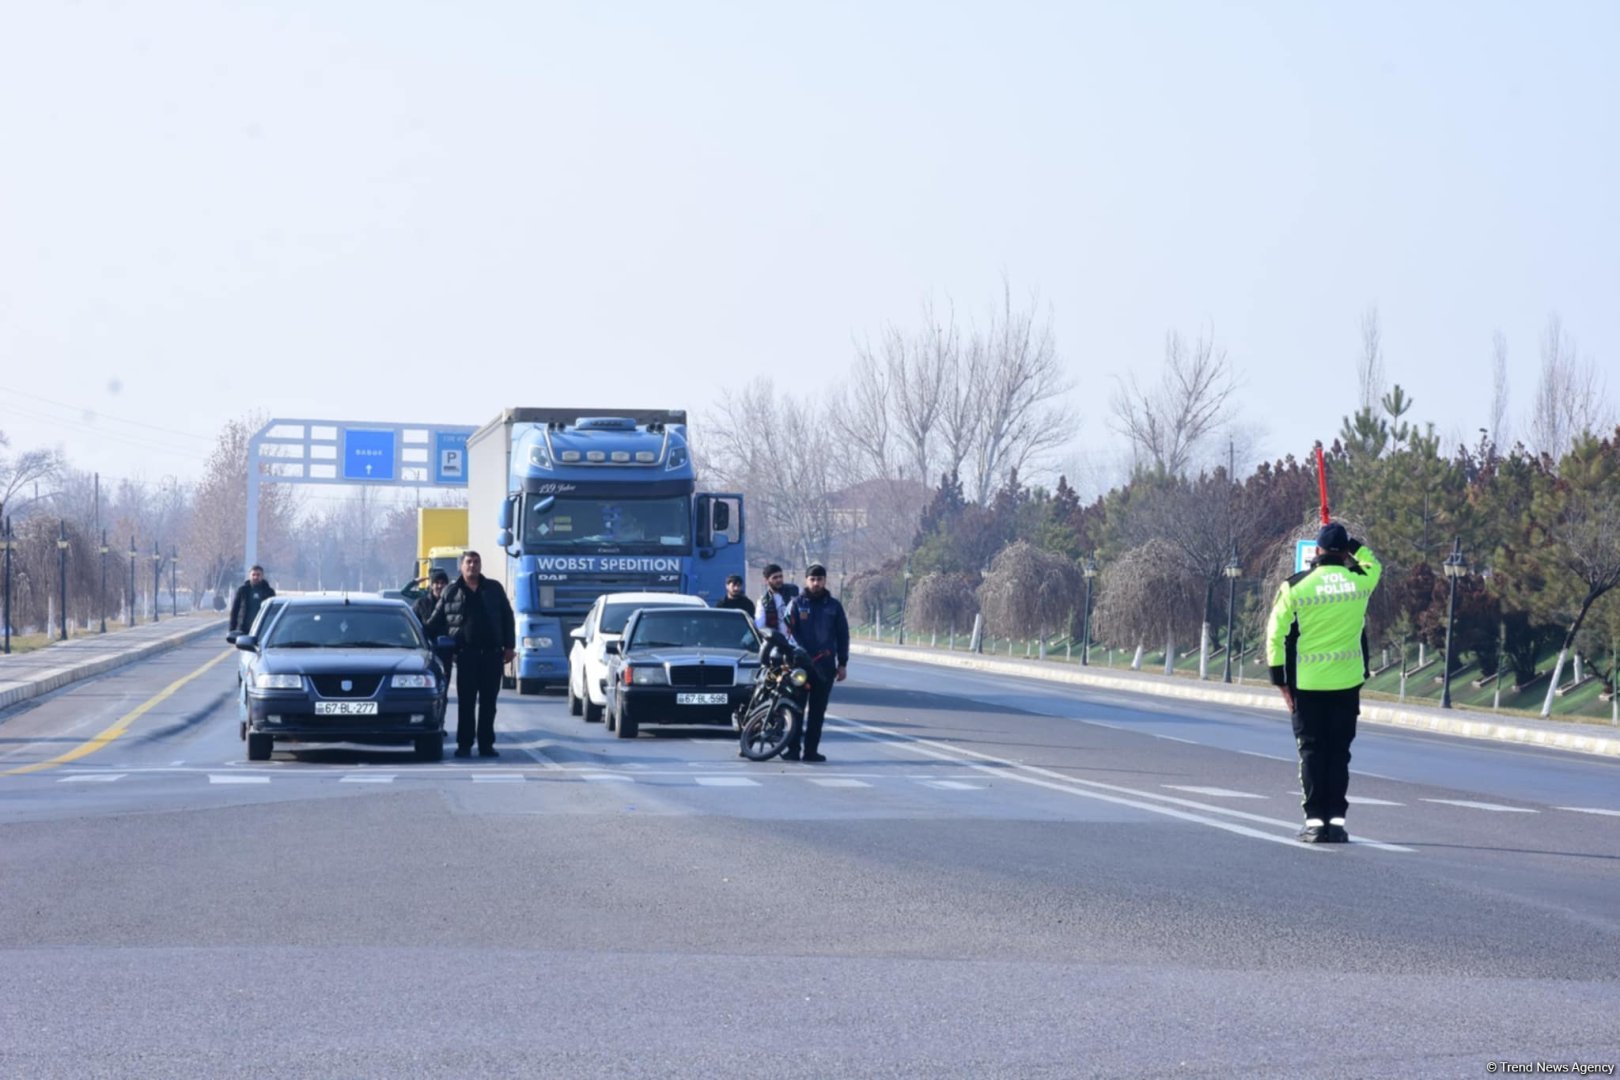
(1316, 636)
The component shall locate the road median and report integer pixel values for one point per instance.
(1552, 734)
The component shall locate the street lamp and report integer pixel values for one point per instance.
(1088, 570)
(157, 578)
(101, 590)
(1455, 567)
(132, 580)
(1233, 570)
(61, 576)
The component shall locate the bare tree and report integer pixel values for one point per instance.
(1370, 368)
(1018, 380)
(1499, 391)
(1148, 594)
(862, 412)
(19, 473)
(920, 381)
(1570, 399)
(1029, 592)
(1167, 423)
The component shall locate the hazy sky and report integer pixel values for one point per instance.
(426, 212)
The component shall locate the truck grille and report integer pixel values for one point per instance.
(701, 675)
(331, 686)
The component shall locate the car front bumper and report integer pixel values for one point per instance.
(645, 705)
(294, 716)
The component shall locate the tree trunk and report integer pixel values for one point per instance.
(1563, 650)
(1169, 652)
(1203, 652)
(1136, 661)
(1578, 674)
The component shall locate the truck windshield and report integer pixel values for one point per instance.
(619, 525)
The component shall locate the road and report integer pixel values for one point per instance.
(990, 877)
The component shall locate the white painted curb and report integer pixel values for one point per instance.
(1375, 712)
(56, 678)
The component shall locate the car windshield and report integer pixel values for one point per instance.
(340, 627)
(697, 629)
(614, 616)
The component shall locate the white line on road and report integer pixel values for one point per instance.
(1590, 810)
(1218, 792)
(1495, 808)
(951, 785)
(368, 778)
(1269, 757)
(1173, 738)
(232, 778)
(498, 778)
(837, 781)
(101, 778)
(726, 781)
(172, 764)
(597, 778)
(1362, 800)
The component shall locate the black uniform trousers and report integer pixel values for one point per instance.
(1324, 726)
(815, 714)
(478, 680)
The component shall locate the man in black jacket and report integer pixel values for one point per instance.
(424, 605)
(735, 598)
(250, 596)
(475, 612)
(817, 623)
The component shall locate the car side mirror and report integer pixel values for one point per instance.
(247, 642)
(577, 633)
(232, 636)
(612, 648)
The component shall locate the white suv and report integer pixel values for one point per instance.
(587, 661)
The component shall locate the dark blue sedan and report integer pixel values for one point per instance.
(343, 669)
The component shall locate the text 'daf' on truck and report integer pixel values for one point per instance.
(586, 502)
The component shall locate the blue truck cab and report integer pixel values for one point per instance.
(592, 501)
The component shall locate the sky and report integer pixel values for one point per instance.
(427, 212)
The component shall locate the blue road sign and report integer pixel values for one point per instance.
(368, 454)
(449, 457)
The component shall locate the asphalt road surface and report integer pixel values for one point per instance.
(990, 877)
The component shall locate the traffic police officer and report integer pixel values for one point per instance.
(1316, 645)
(817, 624)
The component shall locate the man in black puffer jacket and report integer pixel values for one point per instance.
(250, 597)
(475, 612)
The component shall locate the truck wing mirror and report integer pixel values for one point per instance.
(504, 539)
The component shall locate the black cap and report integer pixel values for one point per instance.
(1333, 538)
(815, 569)
(437, 575)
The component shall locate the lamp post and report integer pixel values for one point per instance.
(61, 577)
(905, 599)
(157, 578)
(5, 550)
(101, 590)
(1455, 567)
(132, 580)
(1233, 570)
(174, 570)
(1088, 570)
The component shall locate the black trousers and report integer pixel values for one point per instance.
(1324, 727)
(815, 714)
(478, 680)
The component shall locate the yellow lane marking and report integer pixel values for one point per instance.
(118, 727)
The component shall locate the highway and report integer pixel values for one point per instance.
(989, 877)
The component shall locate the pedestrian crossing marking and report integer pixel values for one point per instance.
(953, 785)
(233, 778)
(498, 778)
(92, 778)
(1217, 792)
(1494, 808)
(606, 778)
(368, 778)
(837, 781)
(726, 781)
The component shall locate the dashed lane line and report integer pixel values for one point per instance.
(237, 778)
(1216, 792)
(1589, 810)
(367, 778)
(1362, 800)
(837, 782)
(1495, 808)
(726, 781)
(104, 778)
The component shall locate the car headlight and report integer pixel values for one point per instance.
(646, 675)
(413, 682)
(798, 676)
(537, 643)
(267, 681)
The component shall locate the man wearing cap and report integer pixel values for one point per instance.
(1316, 645)
(735, 599)
(817, 623)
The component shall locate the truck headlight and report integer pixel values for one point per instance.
(540, 455)
(266, 681)
(537, 643)
(413, 682)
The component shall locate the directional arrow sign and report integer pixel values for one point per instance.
(368, 454)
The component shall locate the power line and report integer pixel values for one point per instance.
(98, 414)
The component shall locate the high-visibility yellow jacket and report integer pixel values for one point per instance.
(1316, 638)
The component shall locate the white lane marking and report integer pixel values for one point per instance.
(538, 755)
(92, 778)
(368, 778)
(726, 781)
(714, 764)
(182, 761)
(836, 781)
(1362, 800)
(951, 785)
(498, 778)
(1495, 808)
(598, 778)
(1270, 757)
(1172, 738)
(1218, 792)
(1590, 810)
(1096, 789)
(232, 778)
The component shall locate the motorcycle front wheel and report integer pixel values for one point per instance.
(766, 730)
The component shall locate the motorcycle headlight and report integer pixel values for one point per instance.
(413, 682)
(266, 681)
(798, 676)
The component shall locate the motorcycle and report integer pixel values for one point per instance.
(775, 710)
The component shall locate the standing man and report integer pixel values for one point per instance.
(1316, 644)
(475, 611)
(817, 622)
(437, 580)
(771, 615)
(735, 598)
(250, 596)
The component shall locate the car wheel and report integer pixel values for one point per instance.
(530, 686)
(259, 746)
(604, 713)
(575, 708)
(241, 732)
(594, 713)
(430, 747)
(625, 727)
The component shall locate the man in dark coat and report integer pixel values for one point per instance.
(476, 612)
(437, 580)
(735, 598)
(817, 623)
(250, 596)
